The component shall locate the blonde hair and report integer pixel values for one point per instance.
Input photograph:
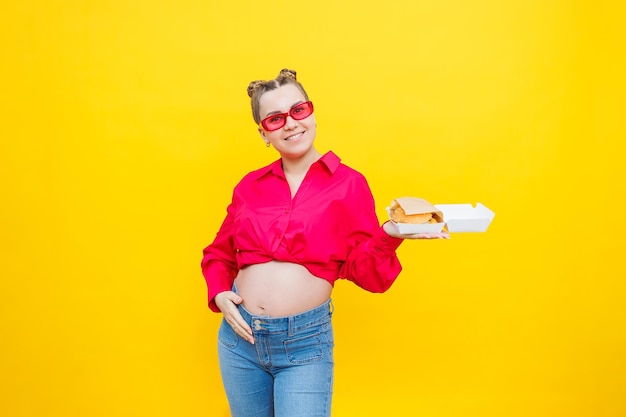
(257, 88)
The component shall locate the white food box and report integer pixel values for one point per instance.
(456, 218)
(465, 217)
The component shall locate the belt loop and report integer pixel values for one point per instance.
(291, 326)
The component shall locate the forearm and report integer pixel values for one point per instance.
(373, 264)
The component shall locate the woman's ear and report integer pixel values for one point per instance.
(266, 140)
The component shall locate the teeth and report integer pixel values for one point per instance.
(293, 136)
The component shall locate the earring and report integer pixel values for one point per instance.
(267, 144)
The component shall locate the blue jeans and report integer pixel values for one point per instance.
(288, 372)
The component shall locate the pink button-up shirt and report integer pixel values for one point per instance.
(329, 226)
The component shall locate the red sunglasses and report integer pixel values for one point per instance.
(297, 112)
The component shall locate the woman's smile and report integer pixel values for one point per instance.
(294, 137)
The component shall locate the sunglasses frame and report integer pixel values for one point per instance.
(283, 116)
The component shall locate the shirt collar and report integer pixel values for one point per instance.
(329, 160)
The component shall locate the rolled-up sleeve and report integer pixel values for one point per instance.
(219, 265)
(372, 262)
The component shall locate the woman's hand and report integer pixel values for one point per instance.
(227, 302)
(392, 230)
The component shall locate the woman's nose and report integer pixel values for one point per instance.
(290, 123)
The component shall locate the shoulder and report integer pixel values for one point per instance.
(350, 172)
(353, 183)
(347, 173)
(338, 168)
(254, 176)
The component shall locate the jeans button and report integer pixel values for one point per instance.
(257, 324)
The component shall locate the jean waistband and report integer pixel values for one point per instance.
(266, 324)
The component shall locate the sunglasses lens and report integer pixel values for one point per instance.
(302, 111)
(274, 122)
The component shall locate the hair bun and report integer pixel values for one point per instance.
(253, 86)
(286, 72)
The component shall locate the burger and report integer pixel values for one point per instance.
(412, 210)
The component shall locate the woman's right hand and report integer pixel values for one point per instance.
(227, 302)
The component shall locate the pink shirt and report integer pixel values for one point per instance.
(330, 227)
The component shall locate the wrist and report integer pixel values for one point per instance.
(391, 229)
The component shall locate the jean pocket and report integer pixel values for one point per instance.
(227, 336)
(328, 333)
(305, 349)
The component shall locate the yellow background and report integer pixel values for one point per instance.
(125, 125)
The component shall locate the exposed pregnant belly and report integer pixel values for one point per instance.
(280, 289)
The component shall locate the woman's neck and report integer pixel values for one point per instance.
(299, 167)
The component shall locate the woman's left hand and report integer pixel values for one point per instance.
(392, 230)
